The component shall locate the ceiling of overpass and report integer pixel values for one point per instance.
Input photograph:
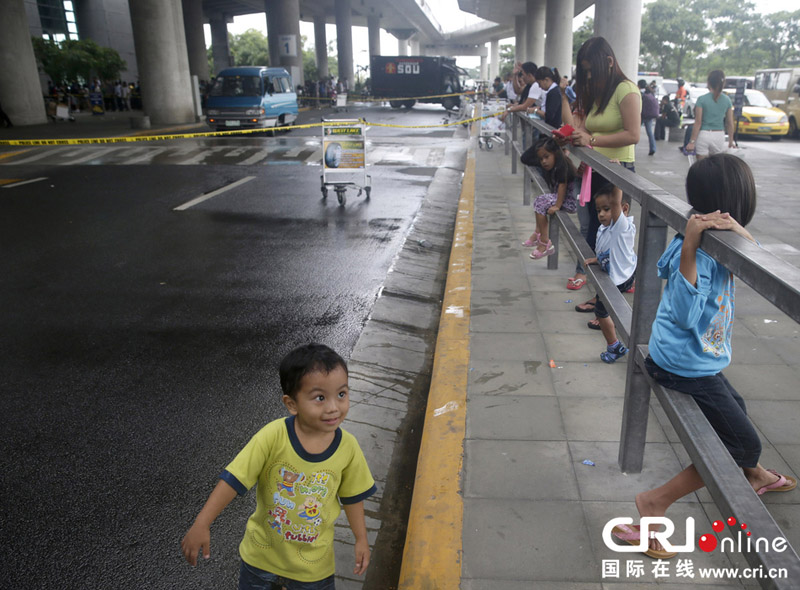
(394, 15)
(504, 11)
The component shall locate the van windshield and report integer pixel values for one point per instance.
(236, 86)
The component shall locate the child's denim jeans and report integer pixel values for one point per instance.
(252, 578)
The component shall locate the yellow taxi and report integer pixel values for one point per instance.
(759, 116)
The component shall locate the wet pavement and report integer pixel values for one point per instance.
(139, 342)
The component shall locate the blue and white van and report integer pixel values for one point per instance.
(251, 97)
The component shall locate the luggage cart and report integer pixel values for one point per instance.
(341, 103)
(344, 158)
(492, 129)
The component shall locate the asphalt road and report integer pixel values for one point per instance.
(139, 344)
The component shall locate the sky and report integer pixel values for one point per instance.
(449, 16)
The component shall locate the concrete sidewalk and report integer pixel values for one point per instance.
(533, 511)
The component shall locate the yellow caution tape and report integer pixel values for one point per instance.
(358, 98)
(131, 139)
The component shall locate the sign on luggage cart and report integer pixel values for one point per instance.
(344, 158)
(492, 128)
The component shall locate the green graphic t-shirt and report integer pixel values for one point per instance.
(291, 532)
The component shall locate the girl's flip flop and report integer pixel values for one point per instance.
(575, 284)
(782, 484)
(631, 535)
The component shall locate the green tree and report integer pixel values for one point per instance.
(249, 49)
(77, 61)
(779, 37)
(506, 60)
(581, 35)
(673, 31)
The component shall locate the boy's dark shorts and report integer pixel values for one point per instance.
(600, 309)
(252, 578)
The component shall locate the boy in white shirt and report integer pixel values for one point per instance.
(615, 255)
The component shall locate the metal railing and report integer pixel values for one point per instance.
(772, 278)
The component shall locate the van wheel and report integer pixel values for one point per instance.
(395, 104)
(449, 103)
(409, 103)
(793, 129)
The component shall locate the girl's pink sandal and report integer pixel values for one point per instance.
(550, 249)
(532, 243)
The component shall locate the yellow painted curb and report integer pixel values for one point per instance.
(432, 554)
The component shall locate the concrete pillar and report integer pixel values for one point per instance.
(402, 47)
(344, 41)
(108, 23)
(20, 90)
(494, 59)
(535, 30)
(158, 35)
(285, 28)
(620, 22)
(558, 47)
(195, 38)
(321, 46)
(484, 71)
(520, 48)
(219, 42)
(413, 46)
(374, 36)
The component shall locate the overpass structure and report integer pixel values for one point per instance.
(166, 40)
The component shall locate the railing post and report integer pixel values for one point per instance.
(652, 237)
(514, 127)
(552, 261)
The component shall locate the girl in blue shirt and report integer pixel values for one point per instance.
(690, 342)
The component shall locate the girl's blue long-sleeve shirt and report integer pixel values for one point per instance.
(691, 335)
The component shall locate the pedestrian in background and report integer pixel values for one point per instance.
(649, 114)
(668, 117)
(713, 117)
(548, 80)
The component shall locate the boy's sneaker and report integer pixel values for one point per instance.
(613, 352)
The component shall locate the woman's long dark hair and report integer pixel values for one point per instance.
(563, 170)
(604, 81)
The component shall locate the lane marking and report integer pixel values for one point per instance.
(16, 184)
(257, 157)
(212, 194)
(39, 156)
(12, 154)
(94, 154)
(433, 547)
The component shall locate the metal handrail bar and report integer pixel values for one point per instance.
(771, 277)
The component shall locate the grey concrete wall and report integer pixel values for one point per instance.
(163, 61)
(374, 35)
(535, 30)
(321, 47)
(344, 40)
(558, 47)
(520, 38)
(494, 59)
(219, 42)
(620, 22)
(195, 38)
(20, 90)
(108, 23)
(285, 15)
